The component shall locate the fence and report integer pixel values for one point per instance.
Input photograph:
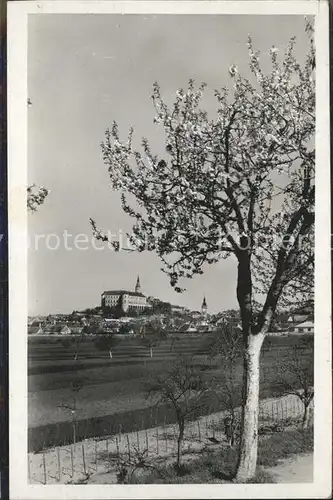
(76, 462)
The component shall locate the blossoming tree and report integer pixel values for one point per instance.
(35, 197)
(238, 184)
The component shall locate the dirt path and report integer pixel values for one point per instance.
(296, 469)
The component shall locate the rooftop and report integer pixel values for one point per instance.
(122, 292)
(305, 324)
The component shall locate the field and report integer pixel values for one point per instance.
(112, 394)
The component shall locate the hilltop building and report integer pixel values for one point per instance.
(126, 300)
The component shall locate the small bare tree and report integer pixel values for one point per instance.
(183, 387)
(127, 466)
(296, 377)
(77, 339)
(76, 387)
(227, 346)
(152, 334)
(106, 342)
(174, 340)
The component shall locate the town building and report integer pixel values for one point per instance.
(56, 330)
(36, 321)
(92, 330)
(307, 327)
(125, 300)
(179, 309)
(35, 330)
(294, 319)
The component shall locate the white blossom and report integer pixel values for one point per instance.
(233, 70)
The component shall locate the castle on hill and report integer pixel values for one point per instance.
(136, 301)
(127, 300)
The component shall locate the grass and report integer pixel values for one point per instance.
(220, 467)
(282, 445)
(103, 378)
(106, 372)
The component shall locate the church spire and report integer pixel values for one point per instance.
(204, 306)
(138, 286)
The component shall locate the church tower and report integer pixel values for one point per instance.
(138, 286)
(204, 307)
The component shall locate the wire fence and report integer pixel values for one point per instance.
(77, 462)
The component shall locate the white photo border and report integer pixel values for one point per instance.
(18, 13)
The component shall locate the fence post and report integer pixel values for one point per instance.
(107, 445)
(117, 446)
(96, 455)
(129, 448)
(147, 442)
(138, 440)
(59, 463)
(44, 467)
(199, 433)
(84, 459)
(192, 424)
(72, 460)
(157, 447)
(163, 432)
(285, 408)
(206, 426)
(120, 429)
(213, 427)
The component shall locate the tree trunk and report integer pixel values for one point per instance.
(74, 431)
(179, 444)
(249, 439)
(306, 416)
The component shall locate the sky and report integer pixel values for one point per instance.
(84, 71)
